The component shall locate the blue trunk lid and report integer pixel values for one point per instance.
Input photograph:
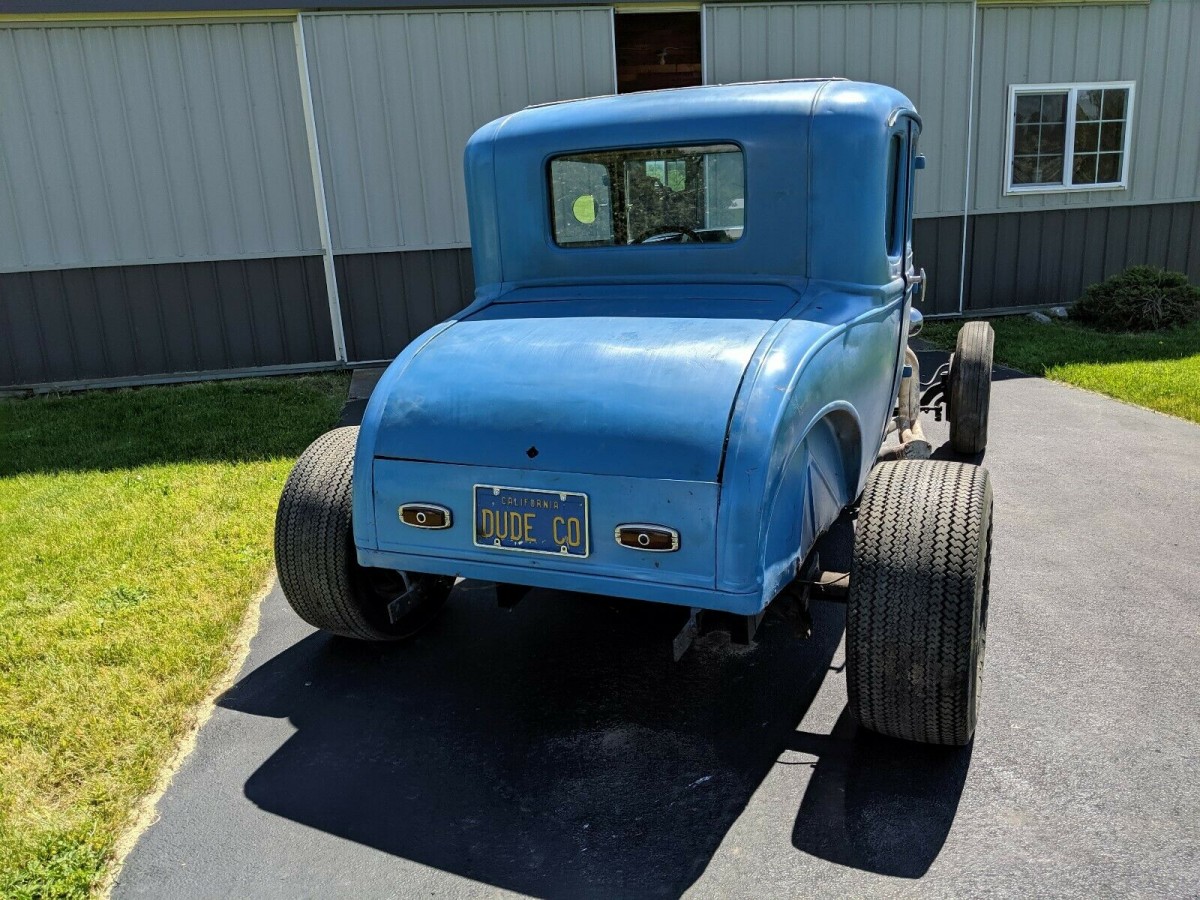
(637, 386)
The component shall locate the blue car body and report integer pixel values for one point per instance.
(736, 393)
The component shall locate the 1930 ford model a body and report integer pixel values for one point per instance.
(685, 352)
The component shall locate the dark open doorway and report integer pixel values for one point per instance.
(657, 50)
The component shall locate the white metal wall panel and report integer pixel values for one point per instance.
(397, 94)
(1155, 45)
(920, 48)
(132, 144)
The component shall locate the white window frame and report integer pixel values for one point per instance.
(1071, 89)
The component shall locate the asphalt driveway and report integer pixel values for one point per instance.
(555, 750)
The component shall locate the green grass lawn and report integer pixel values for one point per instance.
(1159, 370)
(135, 526)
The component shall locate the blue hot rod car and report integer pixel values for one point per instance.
(687, 347)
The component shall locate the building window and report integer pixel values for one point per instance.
(1069, 137)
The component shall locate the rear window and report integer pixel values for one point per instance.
(648, 196)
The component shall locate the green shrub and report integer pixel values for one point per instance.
(1139, 299)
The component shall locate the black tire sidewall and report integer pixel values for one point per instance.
(970, 388)
(315, 555)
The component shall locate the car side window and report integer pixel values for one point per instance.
(896, 201)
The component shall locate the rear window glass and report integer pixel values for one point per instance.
(647, 196)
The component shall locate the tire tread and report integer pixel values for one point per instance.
(918, 600)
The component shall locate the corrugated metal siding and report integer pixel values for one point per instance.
(80, 324)
(151, 143)
(1051, 256)
(390, 298)
(937, 248)
(1155, 45)
(397, 95)
(922, 49)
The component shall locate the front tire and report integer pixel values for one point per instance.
(971, 387)
(315, 558)
(916, 617)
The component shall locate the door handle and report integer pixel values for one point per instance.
(918, 279)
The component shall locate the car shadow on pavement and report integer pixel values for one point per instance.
(554, 749)
(878, 804)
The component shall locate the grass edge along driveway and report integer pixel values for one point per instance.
(135, 527)
(1159, 370)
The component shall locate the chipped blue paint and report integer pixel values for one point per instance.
(737, 392)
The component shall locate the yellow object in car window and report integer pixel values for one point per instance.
(584, 209)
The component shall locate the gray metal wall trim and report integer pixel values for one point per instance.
(973, 71)
(390, 298)
(208, 7)
(60, 387)
(233, 257)
(321, 199)
(145, 322)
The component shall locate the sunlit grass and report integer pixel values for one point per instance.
(134, 528)
(1159, 370)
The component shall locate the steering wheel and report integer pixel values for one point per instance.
(668, 229)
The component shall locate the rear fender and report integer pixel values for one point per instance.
(816, 483)
(363, 485)
(805, 428)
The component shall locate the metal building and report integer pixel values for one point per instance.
(197, 187)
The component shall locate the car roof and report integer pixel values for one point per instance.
(726, 108)
(814, 141)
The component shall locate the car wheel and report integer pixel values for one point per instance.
(971, 387)
(315, 558)
(916, 616)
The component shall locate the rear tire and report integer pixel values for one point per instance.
(315, 557)
(916, 616)
(971, 387)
